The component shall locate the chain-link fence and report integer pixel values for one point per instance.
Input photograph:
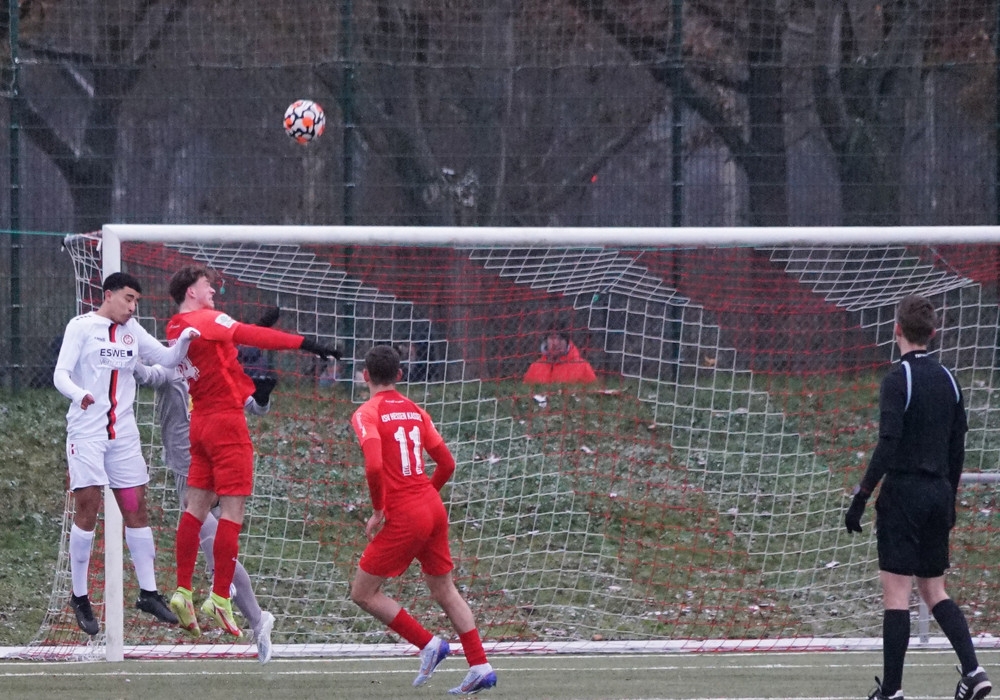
(482, 112)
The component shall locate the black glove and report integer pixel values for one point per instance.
(269, 317)
(852, 519)
(263, 386)
(310, 345)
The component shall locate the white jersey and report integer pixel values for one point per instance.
(100, 357)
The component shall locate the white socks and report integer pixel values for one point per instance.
(143, 550)
(80, 543)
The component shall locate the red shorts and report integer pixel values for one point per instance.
(416, 531)
(221, 454)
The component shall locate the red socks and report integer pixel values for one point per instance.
(227, 548)
(472, 646)
(409, 629)
(186, 549)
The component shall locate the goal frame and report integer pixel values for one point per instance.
(114, 235)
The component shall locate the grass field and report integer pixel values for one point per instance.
(32, 483)
(929, 675)
(660, 529)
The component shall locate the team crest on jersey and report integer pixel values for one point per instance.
(128, 339)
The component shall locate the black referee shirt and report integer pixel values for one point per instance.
(922, 422)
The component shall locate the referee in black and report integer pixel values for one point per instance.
(920, 452)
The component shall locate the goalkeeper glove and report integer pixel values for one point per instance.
(852, 519)
(269, 317)
(310, 345)
(263, 386)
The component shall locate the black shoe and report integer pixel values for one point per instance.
(974, 686)
(877, 694)
(156, 605)
(84, 614)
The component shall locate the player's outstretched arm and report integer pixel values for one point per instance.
(270, 339)
(153, 351)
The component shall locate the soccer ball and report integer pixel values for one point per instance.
(304, 120)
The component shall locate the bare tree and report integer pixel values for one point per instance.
(102, 77)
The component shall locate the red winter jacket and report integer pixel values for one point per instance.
(570, 368)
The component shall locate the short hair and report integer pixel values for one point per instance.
(184, 278)
(382, 363)
(120, 280)
(916, 318)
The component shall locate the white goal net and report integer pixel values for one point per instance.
(692, 497)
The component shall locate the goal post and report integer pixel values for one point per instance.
(691, 498)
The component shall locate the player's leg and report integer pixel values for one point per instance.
(196, 503)
(896, 590)
(934, 537)
(366, 592)
(481, 674)
(974, 684)
(386, 556)
(243, 596)
(225, 551)
(198, 495)
(86, 480)
(86, 503)
(128, 476)
(898, 560)
(228, 449)
(436, 563)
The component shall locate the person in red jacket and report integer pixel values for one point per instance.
(221, 450)
(561, 363)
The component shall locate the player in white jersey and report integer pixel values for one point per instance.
(94, 371)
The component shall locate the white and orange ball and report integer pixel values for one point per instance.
(304, 120)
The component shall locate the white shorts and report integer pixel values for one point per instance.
(115, 463)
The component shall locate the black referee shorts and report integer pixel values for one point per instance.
(913, 521)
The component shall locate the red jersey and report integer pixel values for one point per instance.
(216, 380)
(405, 430)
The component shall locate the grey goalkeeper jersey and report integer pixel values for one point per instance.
(173, 413)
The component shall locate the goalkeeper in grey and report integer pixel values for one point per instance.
(173, 416)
